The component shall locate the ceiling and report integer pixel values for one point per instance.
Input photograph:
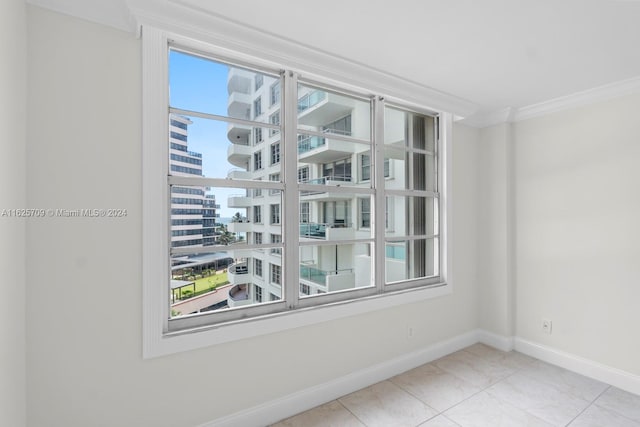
(498, 54)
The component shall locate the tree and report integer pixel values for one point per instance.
(226, 237)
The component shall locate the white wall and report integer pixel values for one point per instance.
(13, 70)
(493, 232)
(577, 223)
(84, 299)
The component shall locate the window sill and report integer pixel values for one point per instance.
(192, 339)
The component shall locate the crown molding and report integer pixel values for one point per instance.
(579, 99)
(488, 118)
(575, 100)
(112, 13)
(185, 18)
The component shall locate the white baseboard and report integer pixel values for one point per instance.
(500, 342)
(613, 376)
(275, 410)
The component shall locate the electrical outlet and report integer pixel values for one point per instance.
(546, 326)
(409, 332)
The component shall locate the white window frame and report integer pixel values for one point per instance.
(258, 292)
(257, 214)
(257, 160)
(274, 94)
(257, 267)
(274, 154)
(275, 213)
(275, 274)
(157, 340)
(257, 107)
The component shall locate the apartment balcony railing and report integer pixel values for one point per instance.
(324, 149)
(318, 108)
(238, 295)
(239, 268)
(309, 143)
(239, 155)
(239, 105)
(237, 273)
(326, 180)
(239, 225)
(239, 80)
(315, 230)
(239, 173)
(239, 201)
(318, 276)
(311, 99)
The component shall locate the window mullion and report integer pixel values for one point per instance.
(379, 198)
(290, 202)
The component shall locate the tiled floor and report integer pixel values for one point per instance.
(480, 386)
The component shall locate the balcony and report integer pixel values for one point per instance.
(239, 80)
(338, 230)
(238, 173)
(238, 296)
(315, 149)
(238, 273)
(239, 201)
(318, 108)
(241, 226)
(238, 134)
(239, 155)
(323, 193)
(239, 105)
(332, 280)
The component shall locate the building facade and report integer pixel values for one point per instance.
(335, 154)
(193, 210)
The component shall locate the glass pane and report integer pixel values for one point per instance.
(217, 149)
(207, 86)
(333, 113)
(411, 259)
(219, 281)
(405, 129)
(207, 216)
(334, 268)
(335, 216)
(195, 217)
(332, 162)
(410, 170)
(411, 216)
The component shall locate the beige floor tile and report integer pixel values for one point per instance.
(595, 416)
(387, 405)
(485, 410)
(511, 359)
(622, 402)
(435, 387)
(440, 421)
(565, 381)
(477, 370)
(331, 414)
(538, 398)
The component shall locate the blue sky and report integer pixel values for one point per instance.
(201, 85)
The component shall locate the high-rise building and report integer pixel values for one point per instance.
(193, 211)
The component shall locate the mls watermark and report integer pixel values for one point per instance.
(63, 213)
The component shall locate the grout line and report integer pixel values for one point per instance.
(588, 406)
(349, 410)
(604, 408)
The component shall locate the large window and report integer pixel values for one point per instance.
(334, 234)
